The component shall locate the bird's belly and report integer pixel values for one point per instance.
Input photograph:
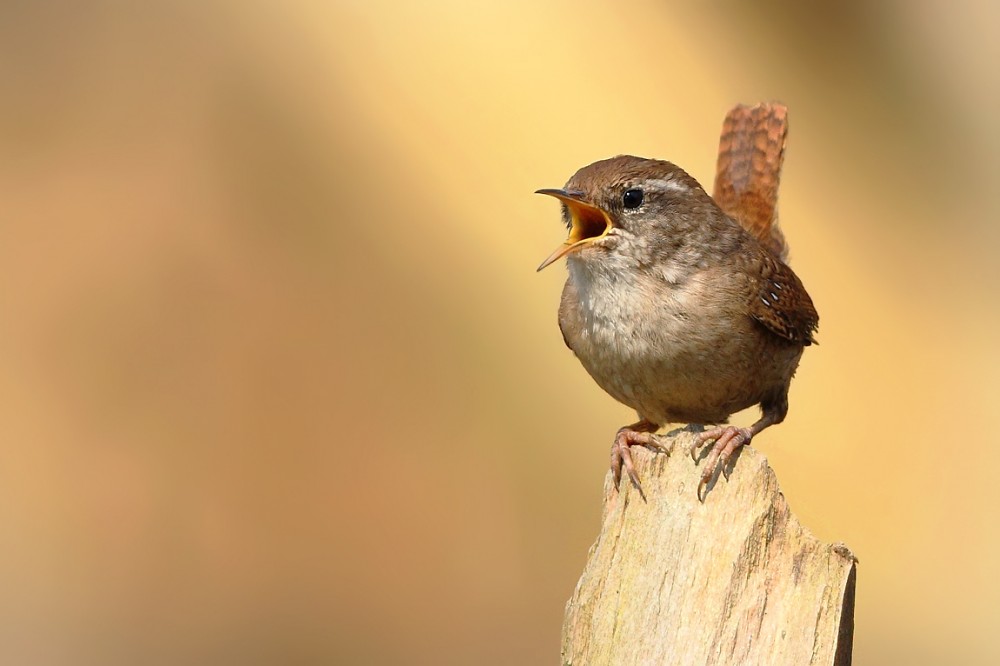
(671, 368)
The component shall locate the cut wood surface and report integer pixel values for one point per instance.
(733, 579)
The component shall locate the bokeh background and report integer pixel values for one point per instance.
(279, 383)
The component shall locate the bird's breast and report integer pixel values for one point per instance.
(625, 330)
(671, 351)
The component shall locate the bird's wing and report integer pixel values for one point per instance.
(781, 304)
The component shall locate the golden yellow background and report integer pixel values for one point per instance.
(279, 383)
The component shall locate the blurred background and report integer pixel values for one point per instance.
(279, 382)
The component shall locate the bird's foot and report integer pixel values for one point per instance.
(727, 440)
(637, 434)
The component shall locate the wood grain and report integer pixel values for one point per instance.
(735, 579)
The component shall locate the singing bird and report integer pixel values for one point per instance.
(679, 305)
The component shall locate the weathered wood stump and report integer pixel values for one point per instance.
(735, 579)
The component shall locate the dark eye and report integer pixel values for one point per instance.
(632, 198)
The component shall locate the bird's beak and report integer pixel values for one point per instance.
(588, 223)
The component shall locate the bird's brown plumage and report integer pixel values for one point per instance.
(748, 171)
(685, 310)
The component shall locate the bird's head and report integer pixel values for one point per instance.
(628, 208)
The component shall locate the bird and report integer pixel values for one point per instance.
(679, 305)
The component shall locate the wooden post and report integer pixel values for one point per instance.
(735, 579)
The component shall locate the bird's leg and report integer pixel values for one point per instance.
(637, 434)
(729, 438)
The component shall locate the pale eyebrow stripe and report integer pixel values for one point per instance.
(666, 185)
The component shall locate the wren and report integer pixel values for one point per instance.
(679, 305)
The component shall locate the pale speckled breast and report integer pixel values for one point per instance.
(676, 353)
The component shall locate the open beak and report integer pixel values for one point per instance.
(588, 223)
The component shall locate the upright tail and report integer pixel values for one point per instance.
(751, 149)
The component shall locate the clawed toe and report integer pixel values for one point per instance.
(621, 454)
(727, 440)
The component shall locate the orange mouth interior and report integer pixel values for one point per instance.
(588, 223)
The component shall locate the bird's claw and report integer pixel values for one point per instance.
(621, 455)
(727, 440)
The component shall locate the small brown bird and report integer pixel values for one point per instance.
(680, 306)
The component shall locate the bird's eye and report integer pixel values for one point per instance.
(632, 198)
